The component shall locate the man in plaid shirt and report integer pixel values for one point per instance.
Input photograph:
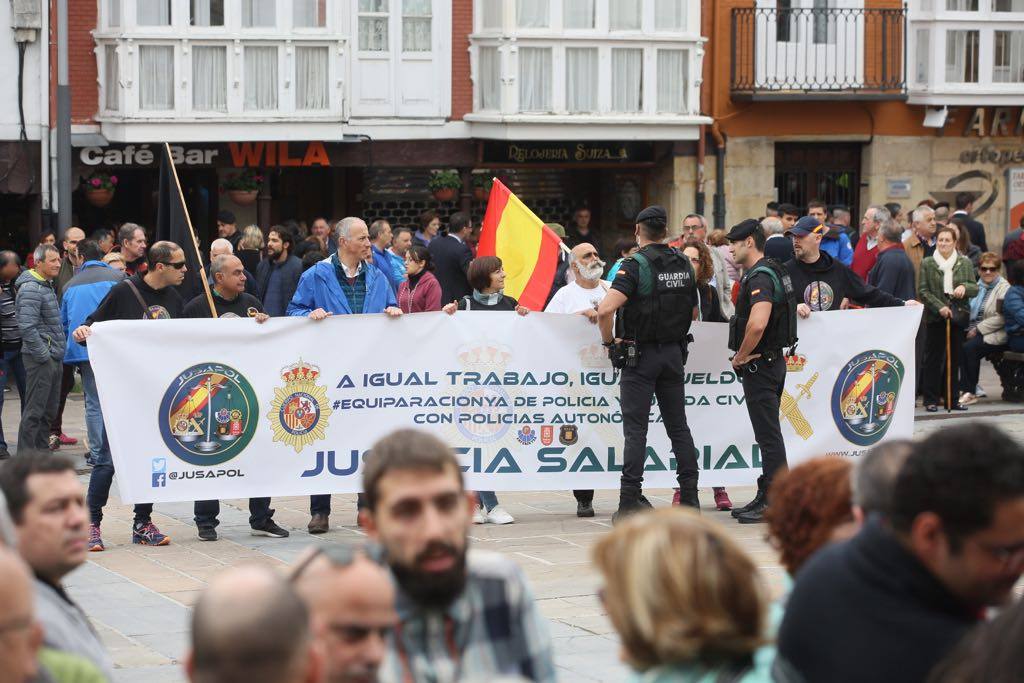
(463, 614)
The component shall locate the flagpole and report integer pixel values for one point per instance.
(191, 232)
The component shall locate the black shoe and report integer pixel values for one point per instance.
(584, 509)
(754, 515)
(959, 408)
(630, 503)
(688, 498)
(4, 454)
(319, 524)
(646, 504)
(207, 533)
(269, 528)
(757, 502)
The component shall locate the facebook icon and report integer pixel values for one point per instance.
(159, 472)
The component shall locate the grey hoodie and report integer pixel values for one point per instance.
(38, 313)
(67, 629)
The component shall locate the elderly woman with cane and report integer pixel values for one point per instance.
(947, 284)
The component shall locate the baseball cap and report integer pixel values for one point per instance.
(806, 226)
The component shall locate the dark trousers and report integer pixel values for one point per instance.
(919, 344)
(763, 383)
(321, 505)
(42, 393)
(206, 512)
(659, 372)
(67, 383)
(935, 363)
(974, 350)
(11, 367)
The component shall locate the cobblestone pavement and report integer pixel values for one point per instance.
(139, 597)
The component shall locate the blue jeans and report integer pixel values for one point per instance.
(103, 466)
(10, 364)
(487, 499)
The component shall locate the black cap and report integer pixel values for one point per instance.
(226, 217)
(654, 216)
(806, 226)
(743, 230)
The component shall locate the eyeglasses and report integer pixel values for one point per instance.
(691, 228)
(177, 266)
(340, 556)
(988, 269)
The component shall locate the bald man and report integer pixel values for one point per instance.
(250, 626)
(351, 599)
(20, 633)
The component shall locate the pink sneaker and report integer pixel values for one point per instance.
(675, 497)
(95, 540)
(66, 440)
(722, 501)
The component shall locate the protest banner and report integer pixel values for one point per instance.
(200, 409)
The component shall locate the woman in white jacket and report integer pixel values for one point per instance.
(987, 331)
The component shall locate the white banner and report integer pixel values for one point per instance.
(199, 409)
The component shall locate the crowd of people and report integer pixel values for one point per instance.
(901, 567)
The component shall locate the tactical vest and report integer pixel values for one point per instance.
(661, 309)
(781, 330)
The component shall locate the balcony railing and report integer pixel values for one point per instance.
(818, 53)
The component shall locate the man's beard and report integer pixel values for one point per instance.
(592, 272)
(433, 590)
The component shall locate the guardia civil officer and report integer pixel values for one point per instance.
(656, 290)
(764, 324)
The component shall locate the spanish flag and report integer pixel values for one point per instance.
(527, 248)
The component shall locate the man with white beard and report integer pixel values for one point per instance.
(582, 297)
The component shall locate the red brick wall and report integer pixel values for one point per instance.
(82, 20)
(462, 86)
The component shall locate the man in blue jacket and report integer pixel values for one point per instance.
(343, 284)
(380, 240)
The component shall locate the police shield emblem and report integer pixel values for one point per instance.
(547, 435)
(568, 435)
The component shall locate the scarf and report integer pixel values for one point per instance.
(487, 299)
(978, 302)
(946, 268)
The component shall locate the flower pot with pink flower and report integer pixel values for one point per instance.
(243, 188)
(99, 188)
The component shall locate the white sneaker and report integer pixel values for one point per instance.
(498, 515)
(479, 517)
(979, 392)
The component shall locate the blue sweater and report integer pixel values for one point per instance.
(82, 295)
(894, 273)
(839, 249)
(1013, 312)
(319, 288)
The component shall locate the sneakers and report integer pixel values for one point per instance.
(722, 502)
(95, 540)
(207, 533)
(54, 442)
(479, 516)
(148, 534)
(498, 515)
(319, 524)
(753, 515)
(675, 497)
(269, 528)
(979, 392)
(584, 509)
(66, 440)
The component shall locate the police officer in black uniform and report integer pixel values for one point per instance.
(764, 323)
(656, 290)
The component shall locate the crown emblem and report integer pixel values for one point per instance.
(300, 372)
(795, 363)
(298, 414)
(484, 357)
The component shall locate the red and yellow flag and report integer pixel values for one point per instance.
(527, 248)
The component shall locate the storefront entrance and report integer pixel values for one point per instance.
(826, 171)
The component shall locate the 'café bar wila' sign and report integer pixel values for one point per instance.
(570, 153)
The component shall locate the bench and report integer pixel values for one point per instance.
(1010, 367)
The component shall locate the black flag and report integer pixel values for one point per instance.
(172, 224)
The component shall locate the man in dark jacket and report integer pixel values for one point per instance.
(277, 276)
(451, 256)
(824, 284)
(777, 245)
(893, 273)
(43, 340)
(890, 603)
(976, 231)
(11, 366)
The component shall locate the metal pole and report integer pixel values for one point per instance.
(63, 121)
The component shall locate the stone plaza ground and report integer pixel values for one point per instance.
(139, 597)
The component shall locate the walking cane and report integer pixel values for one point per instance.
(949, 367)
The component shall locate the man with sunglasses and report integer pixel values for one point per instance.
(152, 296)
(351, 600)
(463, 614)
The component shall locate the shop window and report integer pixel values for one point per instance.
(311, 78)
(962, 56)
(669, 15)
(260, 78)
(672, 81)
(532, 14)
(416, 23)
(258, 13)
(491, 16)
(627, 80)
(578, 13)
(209, 79)
(489, 79)
(113, 77)
(373, 25)
(581, 82)
(1008, 61)
(156, 77)
(625, 15)
(923, 59)
(962, 5)
(1008, 5)
(535, 79)
(153, 12)
(207, 13)
(309, 13)
(113, 13)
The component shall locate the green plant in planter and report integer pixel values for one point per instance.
(101, 180)
(246, 181)
(444, 180)
(483, 181)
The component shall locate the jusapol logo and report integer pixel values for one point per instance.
(864, 396)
